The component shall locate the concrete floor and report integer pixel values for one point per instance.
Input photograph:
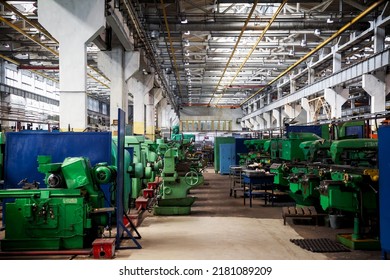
(220, 227)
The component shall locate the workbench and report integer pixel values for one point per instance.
(260, 184)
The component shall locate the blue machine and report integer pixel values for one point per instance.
(384, 189)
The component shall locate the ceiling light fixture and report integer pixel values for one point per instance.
(187, 32)
(183, 19)
(317, 32)
(13, 16)
(304, 42)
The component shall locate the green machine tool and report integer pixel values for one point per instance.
(287, 157)
(256, 152)
(179, 174)
(303, 183)
(143, 167)
(353, 188)
(68, 214)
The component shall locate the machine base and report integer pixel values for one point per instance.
(358, 244)
(30, 244)
(171, 210)
(181, 202)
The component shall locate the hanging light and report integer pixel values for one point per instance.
(304, 42)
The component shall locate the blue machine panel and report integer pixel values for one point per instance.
(240, 148)
(316, 129)
(356, 130)
(384, 188)
(227, 157)
(22, 150)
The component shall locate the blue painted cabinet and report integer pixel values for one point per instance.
(227, 157)
(384, 188)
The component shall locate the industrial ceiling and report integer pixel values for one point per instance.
(211, 53)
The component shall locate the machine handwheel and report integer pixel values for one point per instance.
(191, 178)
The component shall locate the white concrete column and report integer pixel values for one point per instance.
(260, 121)
(73, 23)
(119, 66)
(248, 124)
(174, 120)
(336, 60)
(280, 92)
(376, 88)
(165, 122)
(254, 123)
(336, 98)
(292, 110)
(139, 85)
(276, 116)
(311, 73)
(158, 100)
(160, 109)
(267, 119)
(293, 84)
(379, 39)
(150, 112)
(261, 102)
(309, 110)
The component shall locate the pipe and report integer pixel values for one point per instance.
(234, 49)
(38, 67)
(47, 252)
(320, 46)
(257, 42)
(171, 45)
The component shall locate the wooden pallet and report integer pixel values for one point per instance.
(299, 212)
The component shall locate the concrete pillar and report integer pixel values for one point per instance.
(309, 110)
(150, 112)
(174, 120)
(261, 102)
(311, 73)
(336, 60)
(280, 92)
(119, 66)
(158, 100)
(293, 85)
(260, 121)
(254, 123)
(292, 110)
(73, 23)
(165, 121)
(376, 88)
(379, 39)
(248, 124)
(139, 85)
(336, 97)
(267, 119)
(276, 116)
